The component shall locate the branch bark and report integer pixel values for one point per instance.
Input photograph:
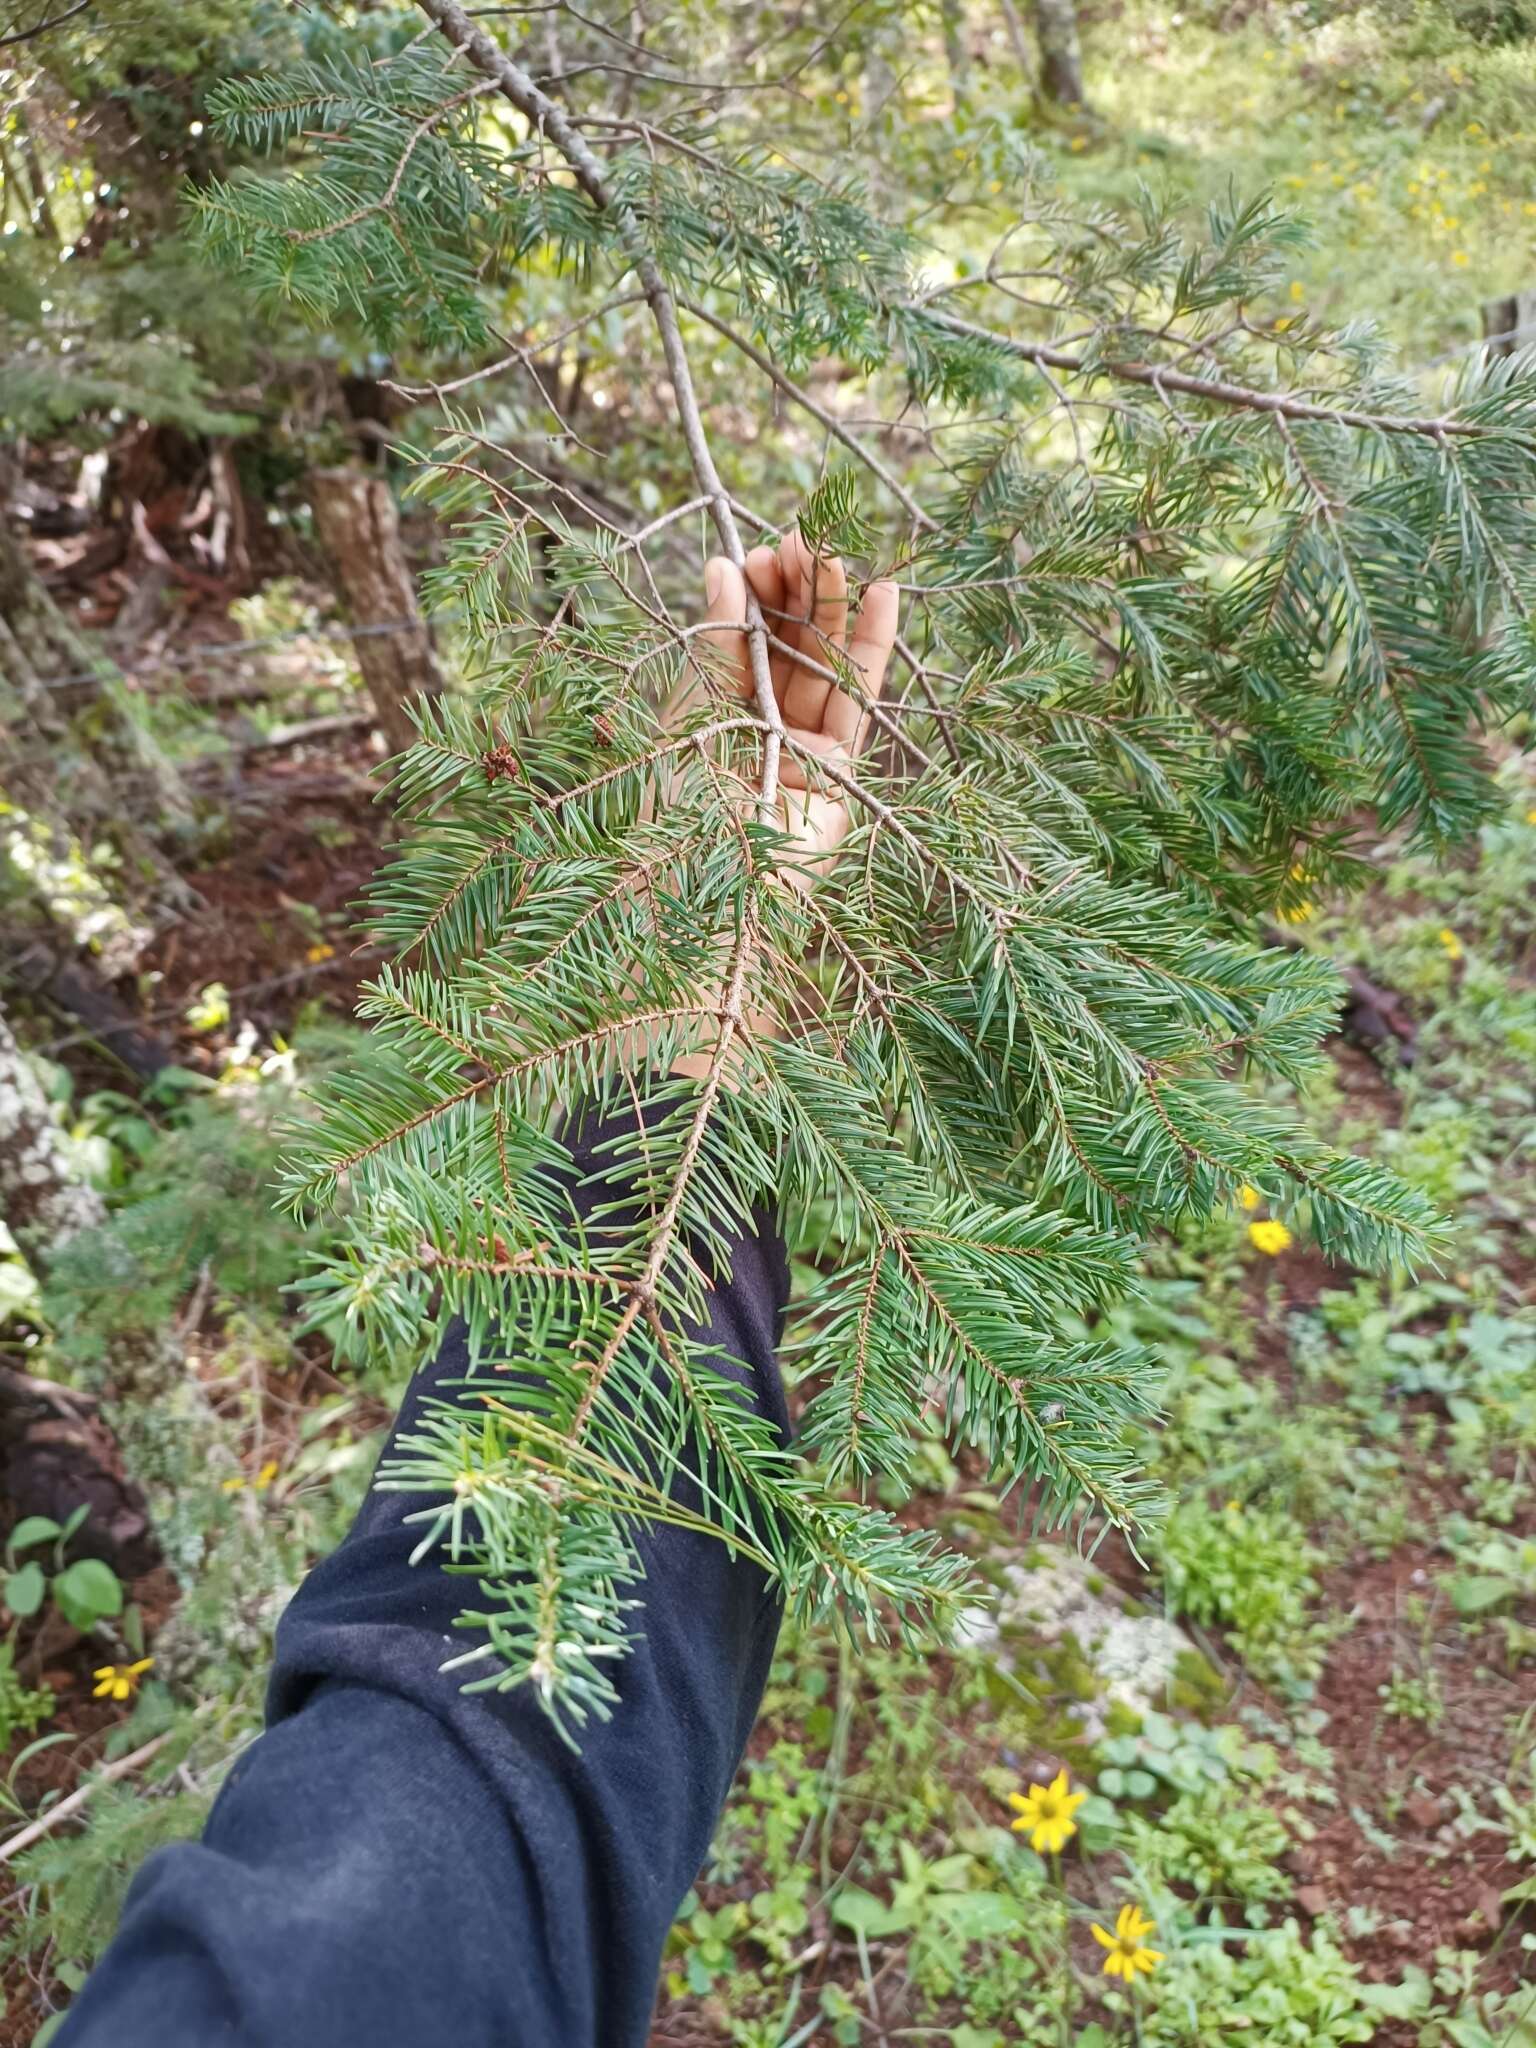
(1159, 377)
(548, 117)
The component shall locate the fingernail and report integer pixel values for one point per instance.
(713, 574)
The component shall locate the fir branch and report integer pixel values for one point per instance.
(548, 117)
(1162, 377)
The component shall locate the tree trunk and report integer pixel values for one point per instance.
(957, 55)
(1509, 325)
(1017, 40)
(1061, 57)
(360, 531)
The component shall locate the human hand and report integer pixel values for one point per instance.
(804, 600)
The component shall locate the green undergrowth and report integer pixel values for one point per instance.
(866, 1873)
(1318, 1423)
(1405, 131)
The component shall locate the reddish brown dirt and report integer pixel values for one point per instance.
(276, 916)
(1393, 1849)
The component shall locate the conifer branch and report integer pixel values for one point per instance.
(819, 413)
(1153, 679)
(1161, 377)
(550, 118)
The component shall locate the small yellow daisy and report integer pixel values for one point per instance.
(1127, 1950)
(119, 1681)
(1045, 1814)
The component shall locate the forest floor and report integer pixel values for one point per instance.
(1306, 1722)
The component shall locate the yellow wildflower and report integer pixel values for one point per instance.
(1249, 1198)
(1449, 940)
(1298, 290)
(320, 952)
(119, 1681)
(259, 1484)
(1079, 142)
(1459, 258)
(1530, 816)
(1299, 915)
(1045, 1814)
(1270, 1237)
(1127, 1953)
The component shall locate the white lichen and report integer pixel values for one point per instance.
(1134, 1657)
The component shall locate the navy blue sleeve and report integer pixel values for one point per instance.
(396, 1863)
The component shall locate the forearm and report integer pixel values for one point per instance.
(399, 1861)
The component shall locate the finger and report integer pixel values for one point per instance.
(723, 644)
(824, 596)
(816, 827)
(798, 763)
(819, 596)
(869, 651)
(767, 580)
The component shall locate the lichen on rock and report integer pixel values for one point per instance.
(1135, 1659)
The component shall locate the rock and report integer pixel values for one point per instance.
(1134, 1657)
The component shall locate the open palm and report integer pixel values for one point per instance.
(804, 600)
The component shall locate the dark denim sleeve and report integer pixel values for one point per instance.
(398, 1864)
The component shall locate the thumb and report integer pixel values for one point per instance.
(723, 644)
